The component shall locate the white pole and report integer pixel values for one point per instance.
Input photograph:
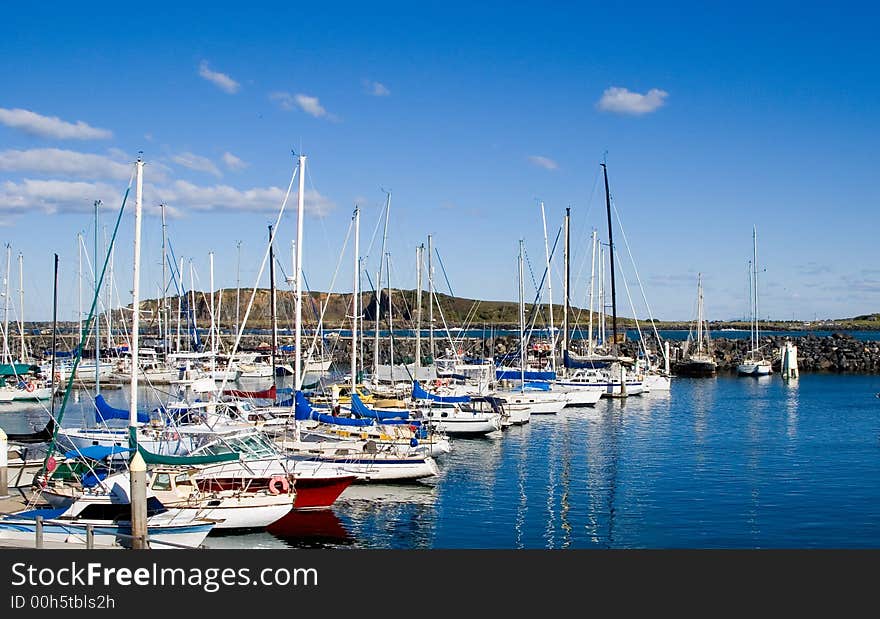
(549, 289)
(699, 312)
(390, 317)
(592, 287)
(135, 305)
(379, 294)
(179, 301)
(755, 246)
(79, 285)
(522, 322)
(7, 355)
(21, 305)
(238, 287)
(431, 296)
(213, 320)
(164, 295)
(300, 209)
(97, 309)
(192, 296)
(354, 297)
(110, 295)
(418, 361)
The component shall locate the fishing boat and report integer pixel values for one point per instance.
(754, 363)
(698, 360)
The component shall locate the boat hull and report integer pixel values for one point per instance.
(754, 369)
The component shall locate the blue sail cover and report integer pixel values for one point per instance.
(104, 411)
(418, 393)
(304, 411)
(571, 360)
(361, 410)
(96, 452)
(537, 386)
(514, 374)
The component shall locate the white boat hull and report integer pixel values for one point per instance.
(463, 424)
(754, 369)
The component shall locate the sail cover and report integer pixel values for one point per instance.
(305, 411)
(514, 374)
(104, 411)
(418, 393)
(361, 410)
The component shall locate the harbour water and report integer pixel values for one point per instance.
(716, 463)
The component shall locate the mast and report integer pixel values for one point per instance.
(549, 290)
(592, 286)
(192, 304)
(135, 305)
(418, 362)
(79, 289)
(602, 304)
(360, 305)
(98, 306)
(379, 293)
(7, 356)
(238, 288)
(272, 309)
(300, 210)
(54, 334)
(110, 295)
(755, 281)
(21, 305)
(390, 316)
(354, 297)
(166, 339)
(566, 291)
(431, 296)
(699, 313)
(179, 301)
(522, 322)
(213, 319)
(611, 256)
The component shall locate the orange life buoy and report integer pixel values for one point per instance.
(30, 387)
(274, 483)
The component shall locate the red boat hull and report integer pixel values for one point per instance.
(319, 492)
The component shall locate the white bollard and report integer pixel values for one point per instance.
(789, 361)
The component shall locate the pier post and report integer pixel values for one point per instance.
(4, 464)
(90, 536)
(138, 471)
(38, 532)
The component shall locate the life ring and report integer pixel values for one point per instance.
(30, 387)
(275, 481)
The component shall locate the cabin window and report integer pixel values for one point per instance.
(162, 482)
(181, 479)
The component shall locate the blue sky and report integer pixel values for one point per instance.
(714, 119)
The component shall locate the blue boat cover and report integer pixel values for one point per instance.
(515, 374)
(361, 410)
(305, 411)
(96, 452)
(418, 393)
(104, 411)
(570, 361)
(537, 386)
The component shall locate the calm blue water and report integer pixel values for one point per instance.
(717, 463)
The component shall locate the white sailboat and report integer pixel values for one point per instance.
(754, 363)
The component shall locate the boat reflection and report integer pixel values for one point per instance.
(311, 529)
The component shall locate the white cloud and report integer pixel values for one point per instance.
(221, 80)
(197, 163)
(377, 89)
(234, 163)
(543, 162)
(624, 101)
(64, 162)
(308, 104)
(51, 126)
(52, 196)
(184, 194)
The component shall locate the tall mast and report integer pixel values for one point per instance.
(549, 289)
(54, 334)
(755, 266)
(354, 296)
(7, 356)
(566, 290)
(592, 286)
(179, 301)
(300, 210)
(272, 309)
(98, 306)
(166, 339)
(522, 321)
(418, 362)
(192, 304)
(21, 305)
(135, 305)
(390, 316)
(699, 312)
(79, 289)
(431, 296)
(110, 294)
(602, 304)
(213, 319)
(379, 293)
(611, 256)
(360, 306)
(238, 289)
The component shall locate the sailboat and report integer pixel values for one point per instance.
(700, 362)
(754, 363)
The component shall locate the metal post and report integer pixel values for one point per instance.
(90, 536)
